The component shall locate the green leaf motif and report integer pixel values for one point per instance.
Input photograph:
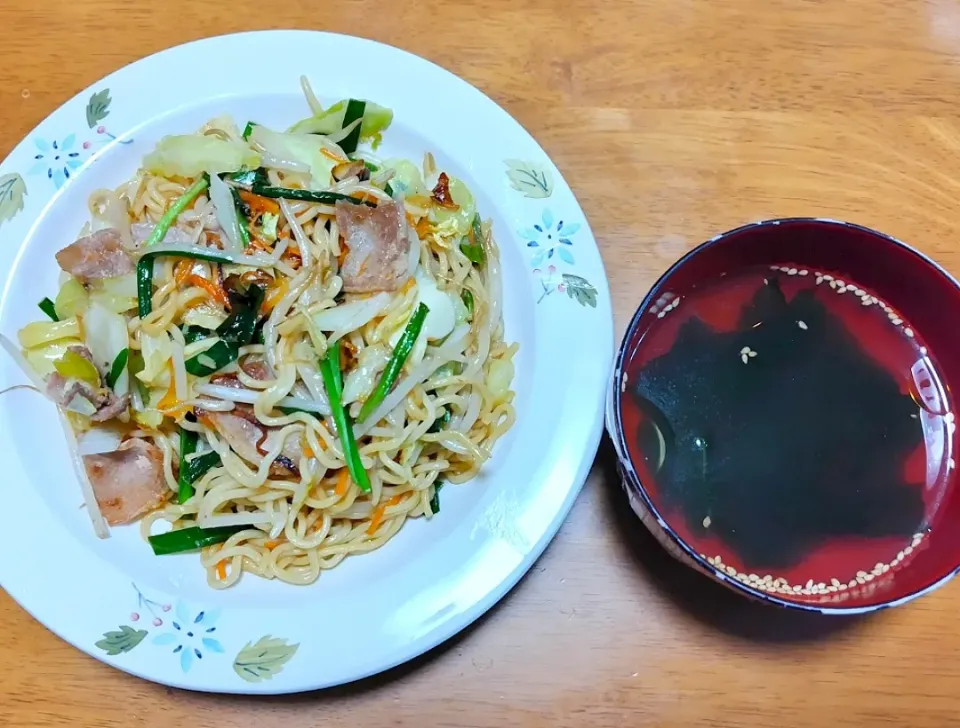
(12, 191)
(98, 107)
(264, 659)
(122, 640)
(531, 180)
(580, 290)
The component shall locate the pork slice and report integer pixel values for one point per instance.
(128, 483)
(98, 255)
(245, 435)
(378, 247)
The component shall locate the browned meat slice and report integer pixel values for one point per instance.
(256, 367)
(245, 435)
(142, 230)
(377, 247)
(65, 391)
(100, 255)
(128, 482)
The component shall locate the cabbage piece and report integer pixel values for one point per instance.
(74, 366)
(118, 294)
(360, 382)
(42, 358)
(156, 351)
(455, 222)
(499, 378)
(204, 315)
(376, 119)
(106, 337)
(72, 299)
(39, 333)
(300, 149)
(191, 155)
(406, 178)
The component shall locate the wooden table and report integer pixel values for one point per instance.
(672, 120)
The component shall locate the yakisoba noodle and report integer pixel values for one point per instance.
(285, 495)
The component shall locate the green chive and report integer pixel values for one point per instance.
(435, 501)
(46, 305)
(354, 113)
(199, 465)
(472, 246)
(191, 539)
(116, 369)
(330, 370)
(243, 217)
(248, 129)
(135, 366)
(188, 446)
(287, 193)
(400, 353)
(467, 298)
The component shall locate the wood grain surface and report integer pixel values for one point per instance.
(672, 120)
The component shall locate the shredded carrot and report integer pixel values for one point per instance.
(258, 204)
(169, 400)
(213, 290)
(271, 545)
(342, 258)
(424, 228)
(381, 512)
(343, 482)
(182, 271)
(222, 570)
(408, 285)
(307, 450)
(335, 157)
(277, 292)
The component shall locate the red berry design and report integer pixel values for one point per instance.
(134, 616)
(101, 129)
(86, 145)
(561, 288)
(166, 607)
(157, 622)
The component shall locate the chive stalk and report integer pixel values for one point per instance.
(400, 353)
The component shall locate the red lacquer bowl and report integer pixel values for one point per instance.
(905, 288)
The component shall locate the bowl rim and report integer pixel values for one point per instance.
(631, 479)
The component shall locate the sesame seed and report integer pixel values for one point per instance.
(706, 522)
(842, 288)
(861, 580)
(899, 556)
(951, 463)
(768, 579)
(834, 582)
(774, 267)
(809, 584)
(909, 332)
(792, 272)
(797, 588)
(751, 354)
(827, 277)
(949, 417)
(865, 302)
(660, 315)
(860, 292)
(897, 321)
(730, 570)
(744, 358)
(745, 349)
(861, 573)
(819, 280)
(802, 325)
(923, 351)
(833, 285)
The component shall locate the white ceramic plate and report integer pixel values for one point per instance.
(155, 616)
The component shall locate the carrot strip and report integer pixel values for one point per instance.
(258, 204)
(277, 292)
(335, 157)
(182, 270)
(170, 398)
(343, 482)
(213, 290)
(381, 512)
(271, 545)
(222, 570)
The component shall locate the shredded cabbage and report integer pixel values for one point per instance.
(191, 155)
(350, 316)
(406, 178)
(301, 148)
(156, 351)
(106, 337)
(72, 299)
(376, 119)
(500, 377)
(457, 221)
(41, 358)
(38, 333)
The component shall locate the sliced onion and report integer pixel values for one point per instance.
(338, 136)
(226, 211)
(350, 316)
(356, 511)
(313, 381)
(287, 165)
(99, 439)
(249, 396)
(86, 487)
(302, 243)
(465, 423)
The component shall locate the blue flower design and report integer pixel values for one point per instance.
(56, 159)
(549, 239)
(191, 635)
